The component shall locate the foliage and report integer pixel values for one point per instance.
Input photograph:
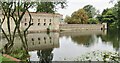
(118, 14)
(20, 54)
(77, 17)
(50, 7)
(109, 16)
(68, 19)
(91, 11)
(84, 40)
(113, 37)
(93, 21)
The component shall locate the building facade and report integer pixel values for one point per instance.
(40, 22)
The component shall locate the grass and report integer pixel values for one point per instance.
(5, 60)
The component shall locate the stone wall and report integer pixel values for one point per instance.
(82, 26)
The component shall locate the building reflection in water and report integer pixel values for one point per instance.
(39, 41)
(43, 43)
(36, 41)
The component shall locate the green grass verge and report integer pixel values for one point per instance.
(5, 60)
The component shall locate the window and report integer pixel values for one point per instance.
(25, 24)
(32, 39)
(38, 38)
(33, 43)
(38, 20)
(44, 20)
(50, 20)
(39, 42)
(44, 38)
(44, 24)
(49, 23)
(45, 42)
(50, 37)
(38, 24)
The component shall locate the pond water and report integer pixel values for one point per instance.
(69, 45)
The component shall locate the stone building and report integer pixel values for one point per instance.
(40, 22)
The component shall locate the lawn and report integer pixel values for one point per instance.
(5, 60)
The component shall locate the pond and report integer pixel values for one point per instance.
(68, 45)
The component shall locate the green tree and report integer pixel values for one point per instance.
(109, 16)
(118, 17)
(91, 11)
(93, 21)
(50, 7)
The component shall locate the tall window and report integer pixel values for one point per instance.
(49, 23)
(44, 20)
(50, 20)
(32, 39)
(38, 20)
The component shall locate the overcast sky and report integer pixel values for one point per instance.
(74, 5)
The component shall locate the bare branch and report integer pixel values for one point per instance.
(5, 34)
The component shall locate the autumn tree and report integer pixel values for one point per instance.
(68, 19)
(78, 17)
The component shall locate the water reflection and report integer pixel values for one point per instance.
(40, 41)
(112, 37)
(41, 46)
(43, 43)
(84, 37)
(36, 41)
(66, 45)
(45, 56)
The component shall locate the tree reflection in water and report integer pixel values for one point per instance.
(113, 37)
(45, 56)
(86, 40)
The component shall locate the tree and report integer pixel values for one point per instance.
(77, 17)
(12, 10)
(47, 7)
(91, 11)
(118, 14)
(50, 7)
(68, 20)
(109, 16)
(93, 21)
